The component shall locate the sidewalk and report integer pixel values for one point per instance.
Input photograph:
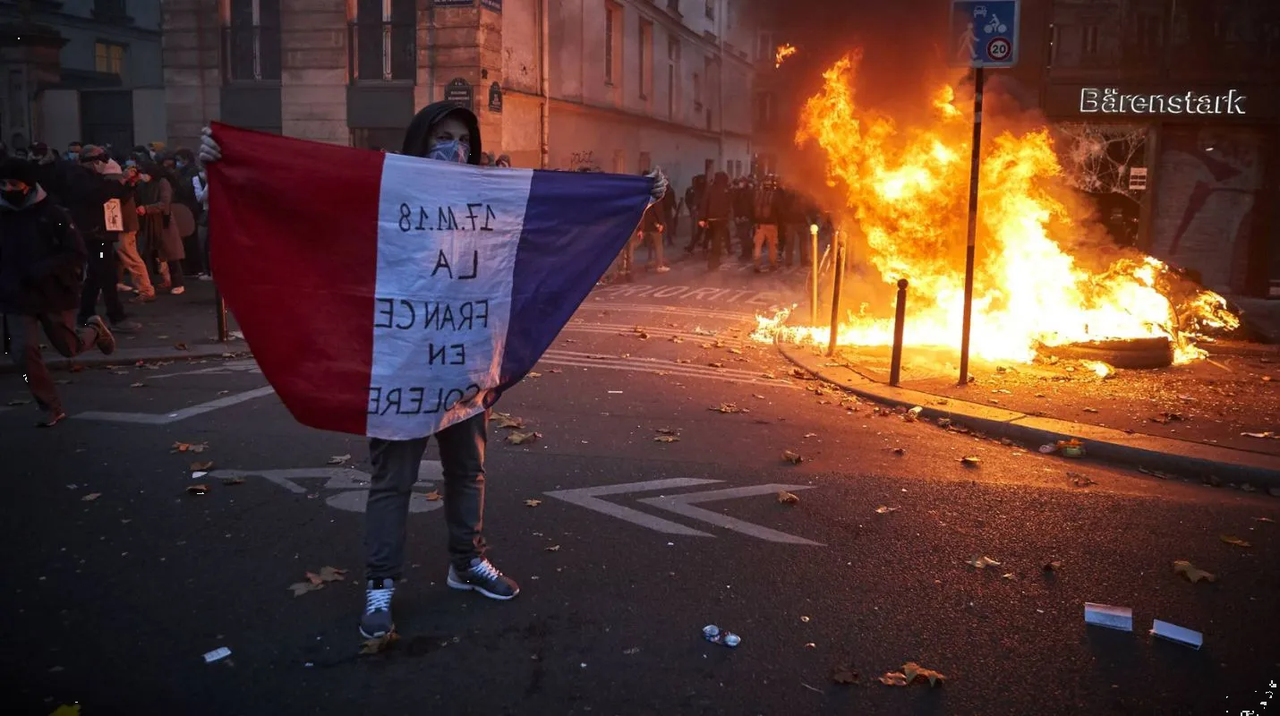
(1183, 451)
(173, 328)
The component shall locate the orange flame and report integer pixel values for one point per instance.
(907, 193)
(782, 53)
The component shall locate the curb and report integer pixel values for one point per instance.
(201, 351)
(1176, 457)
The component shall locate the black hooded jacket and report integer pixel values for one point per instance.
(417, 136)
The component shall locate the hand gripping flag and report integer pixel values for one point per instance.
(393, 296)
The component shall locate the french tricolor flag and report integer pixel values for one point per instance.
(393, 296)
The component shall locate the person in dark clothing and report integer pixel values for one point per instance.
(671, 206)
(41, 270)
(743, 196)
(93, 189)
(716, 213)
(652, 227)
(768, 211)
(693, 199)
(445, 132)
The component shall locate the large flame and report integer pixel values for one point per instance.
(782, 53)
(907, 193)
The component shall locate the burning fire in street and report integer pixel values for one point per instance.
(782, 53)
(1036, 285)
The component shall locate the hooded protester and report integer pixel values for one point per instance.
(716, 212)
(157, 225)
(95, 191)
(447, 132)
(42, 261)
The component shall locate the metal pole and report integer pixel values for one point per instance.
(895, 368)
(222, 314)
(975, 162)
(813, 275)
(835, 297)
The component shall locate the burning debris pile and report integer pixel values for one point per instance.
(1045, 274)
(782, 53)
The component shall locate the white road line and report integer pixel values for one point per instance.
(668, 372)
(575, 355)
(166, 418)
(623, 331)
(669, 310)
(683, 505)
(588, 497)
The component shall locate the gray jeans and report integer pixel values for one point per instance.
(68, 339)
(395, 469)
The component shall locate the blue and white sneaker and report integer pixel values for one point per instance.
(376, 621)
(483, 577)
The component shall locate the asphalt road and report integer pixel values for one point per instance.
(111, 602)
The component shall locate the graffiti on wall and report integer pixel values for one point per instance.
(584, 161)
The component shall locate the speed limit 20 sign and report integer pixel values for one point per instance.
(985, 32)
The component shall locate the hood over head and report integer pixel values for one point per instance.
(415, 138)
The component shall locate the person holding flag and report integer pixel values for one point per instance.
(417, 292)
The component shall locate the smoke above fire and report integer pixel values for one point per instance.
(1046, 272)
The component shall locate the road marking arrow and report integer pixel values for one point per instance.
(166, 418)
(588, 497)
(683, 505)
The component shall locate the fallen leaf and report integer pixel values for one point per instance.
(666, 431)
(533, 374)
(677, 339)
(339, 459)
(787, 498)
(532, 503)
(884, 510)
(1191, 572)
(1053, 565)
(1234, 541)
(1090, 410)
(792, 457)
(666, 439)
(138, 385)
(433, 496)
(893, 678)
(504, 420)
(327, 574)
(1266, 435)
(844, 675)
(553, 548)
(1010, 576)
(1081, 480)
(981, 562)
(197, 489)
(379, 645)
(517, 438)
(555, 370)
(201, 466)
(190, 447)
(19, 401)
(899, 451)
(91, 497)
(233, 480)
(726, 408)
(181, 346)
(736, 351)
(913, 671)
(632, 651)
(970, 461)
(810, 435)
(716, 365)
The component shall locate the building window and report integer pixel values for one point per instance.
(697, 92)
(110, 10)
(711, 9)
(646, 59)
(674, 6)
(384, 40)
(765, 46)
(108, 58)
(251, 40)
(1089, 41)
(764, 110)
(646, 162)
(612, 41)
(673, 71)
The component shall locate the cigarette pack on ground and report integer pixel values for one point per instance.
(221, 652)
(1173, 632)
(1105, 615)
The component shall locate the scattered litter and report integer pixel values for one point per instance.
(667, 439)
(912, 672)
(1264, 519)
(805, 619)
(198, 474)
(197, 489)
(970, 461)
(504, 420)
(433, 496)
(1234, 541)
(1053, 565)
(944, 422)
(981, 562)
(844, 675)
(518, 438)
(712, 633)
(810, 435)
(1071, 448)
(914, 414)
(787, 498)
(884, 510)
(218, 654)
(202, 466)
(632, 651)
(1269, 435)
(338, 459)
(899, 451)
(728, 408)
(532, 503)
(1166, 418)
(792, 457)
(91, 497)
(379, 645)
(553, 548)
(190, 447)
(139, 384)
(894, 678)
(1048, 449)
(615, 392)
(1105, 615)
(1090, 410)
(1081, 480)
(1175, 633)
(1192, 573)
(1009, 575)
(666, 431)
(181, 346)
(317, 580)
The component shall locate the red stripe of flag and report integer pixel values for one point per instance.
(293, 235)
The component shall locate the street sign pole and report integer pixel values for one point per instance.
(986, 33)
(975, 163)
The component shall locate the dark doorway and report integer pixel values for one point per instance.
(106, 117)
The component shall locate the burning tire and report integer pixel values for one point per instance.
(1136, 353)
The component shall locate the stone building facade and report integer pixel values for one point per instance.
(617, 85)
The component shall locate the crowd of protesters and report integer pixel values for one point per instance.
(86, 226)
(764, 222)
